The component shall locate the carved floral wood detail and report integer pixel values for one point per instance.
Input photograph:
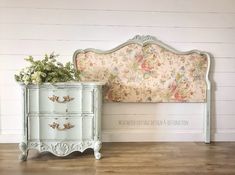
(61, 148)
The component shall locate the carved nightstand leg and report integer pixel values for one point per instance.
(23, 149)
(97, 148)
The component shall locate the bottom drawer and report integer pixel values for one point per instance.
(61, 128)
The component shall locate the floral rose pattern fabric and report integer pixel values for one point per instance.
(149, 73)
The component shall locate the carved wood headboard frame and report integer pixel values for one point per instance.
(145, 69)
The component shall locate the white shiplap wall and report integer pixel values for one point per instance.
(33, 27)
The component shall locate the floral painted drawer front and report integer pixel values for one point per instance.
(146, 73)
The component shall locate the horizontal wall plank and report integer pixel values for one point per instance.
(122, 108)
(13, 92)
(165, 122)
(223, 90)
(17, 62)
(11, 123)
(127, 136)
(187, 109)
(147, 122)
(219, 79)
(122, 18)
(223, 79)
(144, 122)
(223, 65)
(152, 135)
(216, 49)
(223, 108)
(218, 108)
(9, 137)
(112, 33)
(38, 47)
(223, 94)
(153, 108)
(132, 5)
(223, 123)
(11, 108)
(7, 78)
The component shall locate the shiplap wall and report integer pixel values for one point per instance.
(35, 27)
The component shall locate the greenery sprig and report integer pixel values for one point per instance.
(47, 70)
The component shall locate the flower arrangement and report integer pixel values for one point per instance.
(47, 70)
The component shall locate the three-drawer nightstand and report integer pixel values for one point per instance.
(62, 118)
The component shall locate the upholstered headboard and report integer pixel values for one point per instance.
(144, 69)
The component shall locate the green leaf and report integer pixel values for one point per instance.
(47, 70)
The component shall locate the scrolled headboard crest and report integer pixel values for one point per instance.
(144, 38)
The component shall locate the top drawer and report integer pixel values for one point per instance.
(70, 100)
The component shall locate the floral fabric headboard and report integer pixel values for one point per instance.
(146, 70)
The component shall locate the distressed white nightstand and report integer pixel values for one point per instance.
(62, 118)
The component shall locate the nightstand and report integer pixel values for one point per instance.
(62, 118)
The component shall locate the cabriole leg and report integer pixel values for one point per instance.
(97, 148)
(24, 151)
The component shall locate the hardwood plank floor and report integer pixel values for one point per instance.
(126, 158)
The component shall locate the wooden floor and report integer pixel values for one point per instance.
(126, 158)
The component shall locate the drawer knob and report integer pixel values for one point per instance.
(66, 99)
(56, 126)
